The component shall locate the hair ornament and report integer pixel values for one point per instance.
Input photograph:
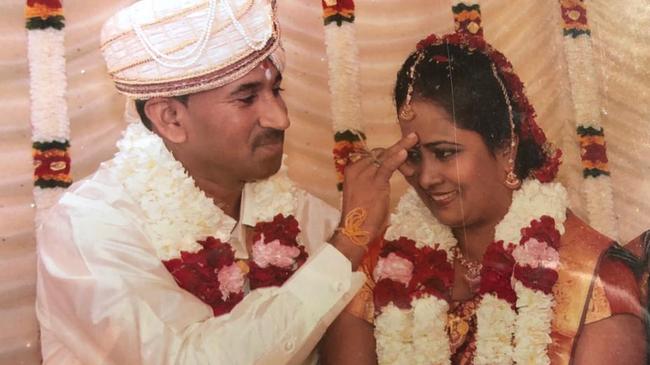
(407, 113)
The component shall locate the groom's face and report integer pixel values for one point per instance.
(238, 129)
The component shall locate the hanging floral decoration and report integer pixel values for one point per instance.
(44, 14)
(45, 22)
(467, 18)
(593, 152)
(345, 91)
(338, 11)
(574, 16)
(51, 164)
(581, 62)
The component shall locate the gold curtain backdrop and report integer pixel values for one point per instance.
(528, 32)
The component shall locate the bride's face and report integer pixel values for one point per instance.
(452, 170)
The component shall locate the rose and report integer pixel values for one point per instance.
(498, 258)
(542, 230)
(216, 253)
(209, 274)
(498, 283)
(433, 273)
(536, 254)
(281, 228)
(231, 280)
(274, 253)
(395, 268)
(270, 276)
(536, 278)
(402, 247)
(387, 291)
(497, 269)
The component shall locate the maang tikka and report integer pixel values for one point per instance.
(406, 112)
(512, 180)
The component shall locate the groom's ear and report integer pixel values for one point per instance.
(169, 118)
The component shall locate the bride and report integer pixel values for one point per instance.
(483, 262)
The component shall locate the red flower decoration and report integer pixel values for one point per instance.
(594, 153)
(536, 278)
(198, 274)
(432, 274)
(542, 230)
(53, 4)
(498, 265)
(387, 291)
(402, 247)
(285, 230)
(549, 170)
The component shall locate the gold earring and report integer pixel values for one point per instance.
(512, 180)
(406, 113)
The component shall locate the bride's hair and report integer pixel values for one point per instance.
(464, 84)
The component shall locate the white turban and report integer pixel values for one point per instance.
(177, 47)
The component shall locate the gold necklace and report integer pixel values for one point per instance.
(473, 270)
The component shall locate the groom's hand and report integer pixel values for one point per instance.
(366, 195)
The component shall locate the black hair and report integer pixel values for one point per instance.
(463, 83)
(139, 106)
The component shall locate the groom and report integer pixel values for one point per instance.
(189, 246)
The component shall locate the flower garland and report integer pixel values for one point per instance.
(414, 276)
(591, 136)
(343, 61)
(190, 233)
(49, 113)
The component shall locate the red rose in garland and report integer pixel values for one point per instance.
(276, 252)
(211, 274)
(539, 278)
(542, 230)
(387, 291)
(497, 269)
(433, 274)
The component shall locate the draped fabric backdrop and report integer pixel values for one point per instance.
(527, 31)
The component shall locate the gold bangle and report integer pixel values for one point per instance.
(352, 227)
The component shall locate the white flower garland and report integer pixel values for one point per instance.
(49, 109)
(418, 335)
(496, 321)
(578, 48)
(343, 66)
(177, 213)
(410, 337)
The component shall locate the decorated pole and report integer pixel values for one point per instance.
(345, 91)
(49, 112)
(585, 88)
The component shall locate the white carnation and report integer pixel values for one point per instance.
(393, 336)
(430, 339)
(412, 219)
(495, 326)
(533, 326)
(529, 203)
